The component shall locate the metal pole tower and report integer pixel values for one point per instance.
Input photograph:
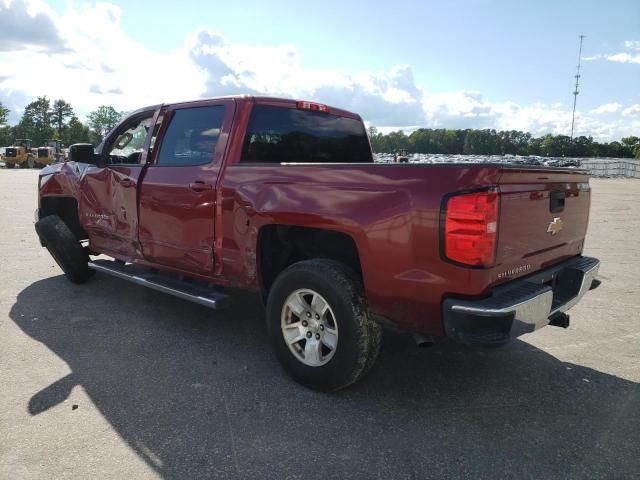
(575, 92)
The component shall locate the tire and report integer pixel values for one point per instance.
(9, 165)
(346, 324)
(65, 249)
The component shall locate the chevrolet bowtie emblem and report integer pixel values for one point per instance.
(555, 226)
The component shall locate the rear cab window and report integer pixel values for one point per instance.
(291, 135)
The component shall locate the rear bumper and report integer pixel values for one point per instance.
(521, 306)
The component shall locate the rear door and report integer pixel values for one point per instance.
(178, 193)
(543, 219)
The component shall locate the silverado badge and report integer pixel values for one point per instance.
(555, 226)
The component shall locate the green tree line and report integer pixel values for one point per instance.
(44, 120)
(492, 142)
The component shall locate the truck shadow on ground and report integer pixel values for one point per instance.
(197, 394)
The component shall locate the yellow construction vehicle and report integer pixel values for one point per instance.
(50, 152)
(401, 157)
(19, 154)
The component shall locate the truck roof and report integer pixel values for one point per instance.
(276, 101)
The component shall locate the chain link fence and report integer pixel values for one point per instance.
(612, 167)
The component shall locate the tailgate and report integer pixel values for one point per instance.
(543, 219)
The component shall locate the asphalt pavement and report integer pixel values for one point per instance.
(111, 380)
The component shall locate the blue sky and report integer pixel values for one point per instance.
(526, 51)
(475, 63)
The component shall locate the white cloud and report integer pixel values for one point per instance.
(538, 118)
(464, 108)
(632, 110)
(230, 68)
(630, 56)
(28, 25)
(624, 57)
(98, 63)
(606, 108)
(101, 65)
(632, 44)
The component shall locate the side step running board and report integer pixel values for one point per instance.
(177, 288)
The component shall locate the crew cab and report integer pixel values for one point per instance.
(283, 198)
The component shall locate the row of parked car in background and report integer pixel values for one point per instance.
(401, 156)
(23, 154)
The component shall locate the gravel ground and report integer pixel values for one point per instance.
(110, 380)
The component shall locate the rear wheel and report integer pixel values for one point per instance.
(9, 165)
(65, 249)
(319, 325)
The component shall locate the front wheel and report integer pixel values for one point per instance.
(319, 325)
(65, 249)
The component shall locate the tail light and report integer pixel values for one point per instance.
(470, 228)
(314, 107)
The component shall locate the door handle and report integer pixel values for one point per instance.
(200, 186)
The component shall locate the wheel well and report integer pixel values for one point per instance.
(67, 209)
(282, 245)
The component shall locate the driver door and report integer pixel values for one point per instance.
(108, 194)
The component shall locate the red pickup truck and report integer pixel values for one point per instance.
(283, 197)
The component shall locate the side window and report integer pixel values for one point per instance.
(129, 143)
(192, 136)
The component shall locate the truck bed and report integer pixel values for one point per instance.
(392, 211)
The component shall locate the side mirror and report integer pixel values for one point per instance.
(82, 153)
(123, 141)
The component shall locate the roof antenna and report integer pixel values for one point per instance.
(575, 92)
